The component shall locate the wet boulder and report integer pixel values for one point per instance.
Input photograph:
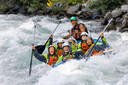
(116, 13)
(108, 16)
(104, 22)
(72, 10)
(124, 8)
(111, 27)
(125, 22)
(23, 10)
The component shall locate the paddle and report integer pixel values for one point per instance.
(41, 48)
(91, 50)
(110, 50)
(32, 52)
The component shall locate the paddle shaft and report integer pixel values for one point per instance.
(90, 52)
(52, 32)
(41, 48)
(32, 51)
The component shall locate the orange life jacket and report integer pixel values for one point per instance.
(95, 52)
(59, 53)
(84, 47)
(52, 60)
(68, 58)
(77, 36)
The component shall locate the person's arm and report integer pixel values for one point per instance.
(41, 58)
(66, 37)
(83, 28)
(50, 41)
(103, 45)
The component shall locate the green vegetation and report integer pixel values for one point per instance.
(69, 2)
(34, 5)
(57, 10)
(105, 5)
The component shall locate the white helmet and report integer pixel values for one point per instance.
(60, 40)
(84, 33)
(65, 44)
(72, 38)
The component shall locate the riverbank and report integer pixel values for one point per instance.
(83, 9)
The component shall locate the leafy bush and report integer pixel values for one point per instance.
(57, 9)
(69, 2)
(105, 5)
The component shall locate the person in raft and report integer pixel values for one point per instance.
(83, 46)
(67, 53)
(50, 58)
(58, 47)
(76, 30)
(99, 47)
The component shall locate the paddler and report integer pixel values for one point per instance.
(99, 47)
(73, 43)
(50, 58)
(58, 47)
(76, 30)
(67, 54)
(83, 46)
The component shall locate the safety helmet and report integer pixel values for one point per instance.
(65, 44)
(60, 40)
(72, 38)
(73, 18)
(89, 38)
(84, 33)
(51, 46)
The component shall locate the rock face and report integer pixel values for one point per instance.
(72, 10)
(108, 16)
(125, 22)
(116, 13)
(124, 8)
(126, 1)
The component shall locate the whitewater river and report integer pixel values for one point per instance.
(16, 37)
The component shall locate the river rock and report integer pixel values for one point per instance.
(108, 16)
(123, 29)
(1, 12)
(124, 8)
(111, 27)
(97, 14)
(78, 13)
(11, 5)
(104, 22)
(116, 13)
(74, 9)
(125, 22)
(23, 10)
(126, 1)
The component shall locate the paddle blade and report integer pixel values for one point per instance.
(40, 48)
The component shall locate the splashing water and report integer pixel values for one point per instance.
(16, 36)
